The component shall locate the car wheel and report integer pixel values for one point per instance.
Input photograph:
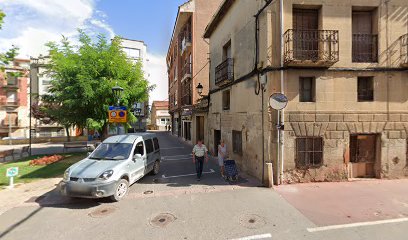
(156, 168)
(121, 190)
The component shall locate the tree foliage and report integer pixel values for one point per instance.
(7, 57)
(83, 76)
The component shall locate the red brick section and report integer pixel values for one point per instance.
(161, 104)
(22, 93)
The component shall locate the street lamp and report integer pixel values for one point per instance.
(199, 89)
(138, 112)
(117, 93)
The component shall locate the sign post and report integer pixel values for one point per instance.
(11, 173)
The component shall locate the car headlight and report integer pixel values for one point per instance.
(66, 175)
(106, 175)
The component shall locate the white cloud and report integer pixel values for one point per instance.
(157, 69)
(30, 24)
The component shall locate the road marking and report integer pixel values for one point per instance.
(359, 224)
(260, 236)
(186, 175)
(171, 148)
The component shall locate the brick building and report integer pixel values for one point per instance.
(187, 62)
(160, 117)
(14, 109)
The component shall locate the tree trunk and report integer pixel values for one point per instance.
(104, 132)
(68, 136)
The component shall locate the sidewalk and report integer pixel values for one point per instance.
(21, 194)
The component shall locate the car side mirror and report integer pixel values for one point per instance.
(137, 156)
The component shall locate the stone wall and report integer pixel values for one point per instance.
(336, 128)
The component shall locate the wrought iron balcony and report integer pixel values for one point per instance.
(404, 50)
(224, 73)
(186, 42)
(311, 48)
(365, 48)
(186, 73)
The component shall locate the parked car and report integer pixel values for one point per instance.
(113, 166)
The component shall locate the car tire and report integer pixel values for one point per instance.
(156, 167)
(121, 190)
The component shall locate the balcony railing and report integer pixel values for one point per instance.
(186, 72)
(404, 50)
(14, 123)
(186, 42)
(365, 48)
(311, 47)
(224, 73)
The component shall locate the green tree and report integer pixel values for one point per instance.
(82, 79)
(7, 57)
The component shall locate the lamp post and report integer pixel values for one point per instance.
(199, 89)
(117, 94)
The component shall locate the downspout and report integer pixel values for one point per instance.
(259, 88)
(281, 133)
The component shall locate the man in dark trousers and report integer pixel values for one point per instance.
(199, 153)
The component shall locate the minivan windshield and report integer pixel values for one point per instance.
(112, 151)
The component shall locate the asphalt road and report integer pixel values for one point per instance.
(173, 205)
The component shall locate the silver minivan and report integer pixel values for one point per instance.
(113, 166)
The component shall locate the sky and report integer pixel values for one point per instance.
(29, 24)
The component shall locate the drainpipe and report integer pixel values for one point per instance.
(281, 133)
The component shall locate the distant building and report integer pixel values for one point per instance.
(160, 117)
(137, 51)
(14, 109)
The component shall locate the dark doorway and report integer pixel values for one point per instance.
(363, 155)
(306, 35)
(200, 128)
(217, 139)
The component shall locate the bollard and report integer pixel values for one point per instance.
(11, 185)
(269, 175)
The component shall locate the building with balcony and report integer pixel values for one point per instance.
(342, 66)
(160, 115)
(14, 109)
(187, 63)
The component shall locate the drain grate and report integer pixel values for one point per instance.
(102, 211)
(252, 221)
(148, 192)
(162, 220)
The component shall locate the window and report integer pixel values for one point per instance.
(156, 143)
(226, 100)
(309, 152)
(306, 89)
(149, 146)
(226, 51)
(132, 52)
(163, 121)
(11, 97)
(139, 149)
(305, 25)
(237, 142)
(365, 89)
(364, 41)
(11, 78)
(11, 119)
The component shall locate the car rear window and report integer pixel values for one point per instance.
(156, 143)
(149, 146)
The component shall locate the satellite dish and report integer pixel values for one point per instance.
(278, 101)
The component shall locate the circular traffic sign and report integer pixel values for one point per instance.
(278, 101)
(121, 114)
(113, 114)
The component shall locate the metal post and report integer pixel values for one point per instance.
(9, 120)
(11, 182)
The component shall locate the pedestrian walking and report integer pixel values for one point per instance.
(222, 155)
(199, 154)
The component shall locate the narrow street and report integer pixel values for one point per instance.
(173, 205)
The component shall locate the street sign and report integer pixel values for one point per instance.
(117, 114)
(12, 172)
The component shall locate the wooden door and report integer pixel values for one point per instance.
(363, 154)
(306, 35)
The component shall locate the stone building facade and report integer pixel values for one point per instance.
(342, 66)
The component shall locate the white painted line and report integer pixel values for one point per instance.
(359, 224)
(171, 156)
(176, 159)
(261, 236)
(171, 148)
(186, 175)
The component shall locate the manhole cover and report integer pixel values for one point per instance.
(252, 221)
(148, 192)
(162, 220)
(102, 211)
